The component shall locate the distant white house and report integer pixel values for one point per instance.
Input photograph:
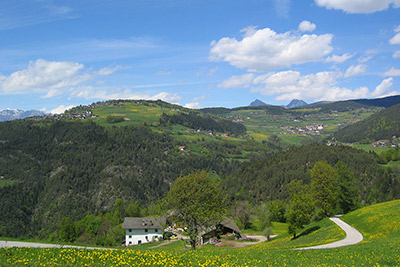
(142, 230)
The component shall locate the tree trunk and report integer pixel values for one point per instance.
(193, 243)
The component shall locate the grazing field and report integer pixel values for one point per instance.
(380, 225)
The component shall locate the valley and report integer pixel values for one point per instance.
(96, 164)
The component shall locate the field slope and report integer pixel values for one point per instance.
(380, 225)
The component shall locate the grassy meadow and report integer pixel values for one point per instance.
(380, 225)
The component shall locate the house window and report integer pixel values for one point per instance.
(146, 230)
(130, 230)
(130, 236)
(155, 230)
(130, 242)
(139, 242)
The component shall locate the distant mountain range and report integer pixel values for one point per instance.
(295, 103)
(14, 114)
(257, 103)
(384, 102)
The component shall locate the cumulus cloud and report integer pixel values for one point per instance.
(396, 54)
(395, 40)
(288, 85)
(60, 109)
(264, 49)
(338, 59)
(355, 70)
(44, 74)
(193, 105)
(49, 77)
(358, 6)
(392, 72)
(306, 26)
(90, 92)
(383, 89)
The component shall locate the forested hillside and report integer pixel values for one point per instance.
(382, 125)
(267, 179)
(60, 168)
(96, 160)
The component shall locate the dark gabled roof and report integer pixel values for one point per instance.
(143, 223)
(229, 223)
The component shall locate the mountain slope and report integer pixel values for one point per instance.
(71, 168)
(266, 179)
(257, 103)
(296, 103)
(381, 125)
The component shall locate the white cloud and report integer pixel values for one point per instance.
(396, 54)
(49, 77)
(306, 26)
(193, 105)
(288, 85)
(383, 89)
(395, 40)
(42, 74)
(264, 49)
(358, 6)
(199, 98)
(89, 92)
(282, 8)
(60, 109)
(339, 59)
(238, 81)
(355, 70)
(168, 97)
(108, 70)
(392, 72)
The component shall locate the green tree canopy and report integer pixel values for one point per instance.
(323, 180)
(67, 230)
(300, 209)
(197, 202)
(347, 194)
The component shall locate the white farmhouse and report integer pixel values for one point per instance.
(142, 230)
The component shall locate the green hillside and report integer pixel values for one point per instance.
(378, 223)
(97, 160)
(266, 179)
(382, 125)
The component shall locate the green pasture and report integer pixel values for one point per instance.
(368, 147)
(380, 225)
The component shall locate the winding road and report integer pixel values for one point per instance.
(353, 236)
(19, 244)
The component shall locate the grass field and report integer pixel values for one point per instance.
(380, 225)
(368, 147)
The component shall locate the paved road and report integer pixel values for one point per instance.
(353, 236)
(18, 244)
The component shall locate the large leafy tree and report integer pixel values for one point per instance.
(197, 202)
(347, 194)
(300, 208)
(323, 181)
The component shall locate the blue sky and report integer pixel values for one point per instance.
(55, 54)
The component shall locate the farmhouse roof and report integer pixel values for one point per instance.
(143, 223)
(229, 223)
